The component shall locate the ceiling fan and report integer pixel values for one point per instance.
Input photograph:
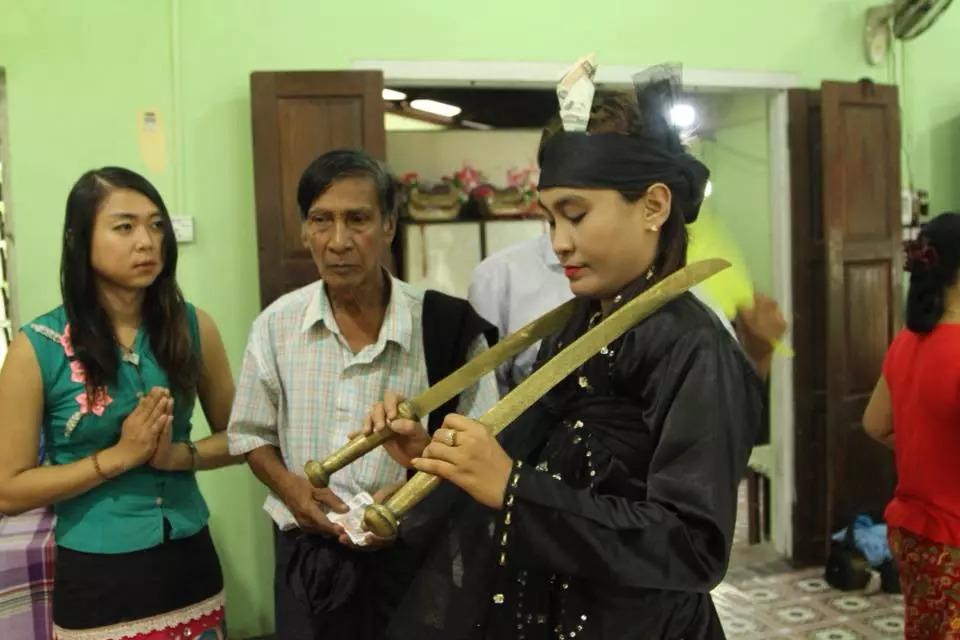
(902, 19)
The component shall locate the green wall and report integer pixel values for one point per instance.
(930, 101)
(78, 72)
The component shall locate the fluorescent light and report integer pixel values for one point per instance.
(396, 122)
(683, 115)
(393, 95)
(436, 108)
(707, 190)
(479, 126)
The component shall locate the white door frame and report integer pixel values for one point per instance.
(458, 73)
(782, 409)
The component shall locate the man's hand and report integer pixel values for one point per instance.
(409, 438)
(373, 542)
(308, 505)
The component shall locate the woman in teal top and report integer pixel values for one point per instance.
(111, 378)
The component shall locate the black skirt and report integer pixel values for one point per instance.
(100, 589)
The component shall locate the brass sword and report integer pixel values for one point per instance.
(383, 519)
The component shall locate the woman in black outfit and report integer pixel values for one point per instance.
(607, 510)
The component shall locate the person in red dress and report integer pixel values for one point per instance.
(915, 410)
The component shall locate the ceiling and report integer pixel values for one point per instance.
(497, 108)
(508, 108)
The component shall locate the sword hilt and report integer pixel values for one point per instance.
(319, 472)
(383, 520)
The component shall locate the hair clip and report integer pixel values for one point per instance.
(921, 256)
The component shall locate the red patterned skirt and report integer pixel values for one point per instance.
(930, 578)
(201, 621)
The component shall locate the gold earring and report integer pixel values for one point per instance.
(649, 275)
(654, 228)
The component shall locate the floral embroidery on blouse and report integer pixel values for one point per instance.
(100, 400)
(65, 341)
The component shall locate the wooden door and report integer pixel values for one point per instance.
(298, 115)
(845, 182)
(861, 211)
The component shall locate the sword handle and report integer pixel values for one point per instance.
(383, 520)
(319, 472)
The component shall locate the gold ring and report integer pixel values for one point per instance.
(449, 437)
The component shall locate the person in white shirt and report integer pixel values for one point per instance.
(514, 286)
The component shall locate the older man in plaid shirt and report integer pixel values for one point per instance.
(316, 361)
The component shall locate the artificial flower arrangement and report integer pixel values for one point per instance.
(441, 200)
(445, 200)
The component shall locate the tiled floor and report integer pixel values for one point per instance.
(799, 604)
(763, 597)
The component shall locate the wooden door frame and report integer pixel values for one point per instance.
(454, 73)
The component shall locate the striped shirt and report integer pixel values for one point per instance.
(303, 390)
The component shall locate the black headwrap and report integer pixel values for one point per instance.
(628, 162)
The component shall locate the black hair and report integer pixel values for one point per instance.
(164, 310)
(346, 163)
(618, 112)
(933, 260)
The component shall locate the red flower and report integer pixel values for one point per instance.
(467, 178)
(77, 372)
(921, 255)
(100, 402)
(518, 177)
(65, 342)
(79, 375)
(483, 191)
